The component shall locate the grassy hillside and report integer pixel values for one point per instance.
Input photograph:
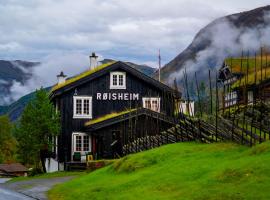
(178, 171)
(258, 69)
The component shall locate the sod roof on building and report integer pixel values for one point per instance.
(80, 76)
(101, 70)
(108, 116)
(254, 69)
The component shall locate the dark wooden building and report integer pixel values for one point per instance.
(242, 88)
(109, 106)
(228, 78)
(13, 169)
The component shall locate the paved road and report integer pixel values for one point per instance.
(6, 194)
(35, 188)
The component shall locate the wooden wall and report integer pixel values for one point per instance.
(101, 107)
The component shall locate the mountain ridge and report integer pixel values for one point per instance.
(15, 109)
(243, 21)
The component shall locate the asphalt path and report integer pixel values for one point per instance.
(30, 189)
(6, 194)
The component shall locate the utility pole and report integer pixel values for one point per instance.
(159, 64)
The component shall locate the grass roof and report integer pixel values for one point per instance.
(80, 76)
(108, 116)
(257, 68)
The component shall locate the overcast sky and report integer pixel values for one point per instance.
(119, 29)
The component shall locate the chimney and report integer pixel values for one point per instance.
(93, 60)
(61, 78)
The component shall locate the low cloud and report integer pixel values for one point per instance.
(61, 34)
(225, 40)
(44, 75)
(32, 30)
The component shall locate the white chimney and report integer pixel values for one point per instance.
(93, 60)
(61, 78)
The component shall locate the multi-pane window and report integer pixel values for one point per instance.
(81, 143)
(82, 107)
(78, 106)
(230, 99)
(86, 143)
(86, 107)
(78, 143)
(152, 103)
(118, 80)
(148, 103)
(114, 79)
(155, 105)
(121, 79)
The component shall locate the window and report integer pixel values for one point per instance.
(82, 107)
(230, 99)
(118, 80)
(81, 143)
(78, 143)
(152, 103)
(86, 143)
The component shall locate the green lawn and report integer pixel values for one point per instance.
(178, 171)
(47, 175)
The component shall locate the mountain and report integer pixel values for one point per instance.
(223, 37)
(10, 71)
(15, 109)
(142, 68)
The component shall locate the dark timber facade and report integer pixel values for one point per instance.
(107, 107)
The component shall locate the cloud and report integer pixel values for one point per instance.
(44, 75)
(3, 82)
(225, 40)
(33, 29)
(61, 34)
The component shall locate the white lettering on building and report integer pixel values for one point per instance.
(118, 96)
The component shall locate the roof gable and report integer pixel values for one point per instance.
(102, 70)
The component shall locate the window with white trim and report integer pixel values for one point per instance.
(152, 103)
(82, 107)
(81, 142)
(117, 80)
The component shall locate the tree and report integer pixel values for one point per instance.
(38, 124)
(7, 141)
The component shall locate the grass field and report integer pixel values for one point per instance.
(47, 175)
(178, 171)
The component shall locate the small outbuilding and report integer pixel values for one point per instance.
(13, 169)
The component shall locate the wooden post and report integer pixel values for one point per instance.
(217, 105)
(186, 83)
(200, 106)
(198, 94)
(210, 88)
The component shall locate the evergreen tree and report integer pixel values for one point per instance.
(7, 141)
(38, 124)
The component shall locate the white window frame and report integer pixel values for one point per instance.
(151, 99)
(117, 86)
(73, 145)
(82, 116)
